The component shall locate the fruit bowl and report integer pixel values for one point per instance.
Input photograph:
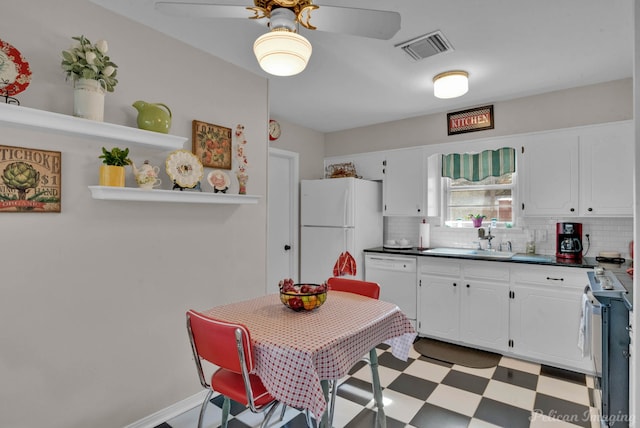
(302, 297)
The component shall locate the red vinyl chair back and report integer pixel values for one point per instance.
(215, 341)
(364, 288)
(228, 346)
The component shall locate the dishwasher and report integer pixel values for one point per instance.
(397, 276)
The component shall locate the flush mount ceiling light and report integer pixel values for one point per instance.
(451, 84)
(282, 51)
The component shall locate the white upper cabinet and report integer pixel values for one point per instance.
(606, 170)
(550, 176)
(404, 183)
(579, 172)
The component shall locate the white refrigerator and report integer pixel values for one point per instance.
(337, 215)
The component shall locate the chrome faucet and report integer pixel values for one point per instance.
(488, 237)
(506, 246)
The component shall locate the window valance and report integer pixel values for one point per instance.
(478, 166)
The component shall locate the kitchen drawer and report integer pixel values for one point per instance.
(486, 270)
(550, 275)
(440, 266)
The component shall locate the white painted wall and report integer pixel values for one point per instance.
(605, 102)
(308, 143)
(92, 300)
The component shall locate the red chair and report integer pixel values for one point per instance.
(228, 346)
(364, 288)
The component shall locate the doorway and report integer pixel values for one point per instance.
(282, 217)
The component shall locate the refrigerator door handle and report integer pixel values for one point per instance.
(345, 221)
(344, 240)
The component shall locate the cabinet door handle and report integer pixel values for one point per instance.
(468, 286)
(554, 279)
(572, 209)
(455, 285)
(287, 247)
(589, 209)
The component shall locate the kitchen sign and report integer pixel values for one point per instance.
(29, 180)
(471, 120)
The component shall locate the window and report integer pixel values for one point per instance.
(492, 197)
(479, 184)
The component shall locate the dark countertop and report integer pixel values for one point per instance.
(586, 262)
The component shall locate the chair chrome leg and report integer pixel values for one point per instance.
(332, 405)
(284, 409)
(269, 413)
(226, 407)
(381, 419)
(310, 423)
(204, 407)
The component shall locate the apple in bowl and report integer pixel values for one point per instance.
(302, 297)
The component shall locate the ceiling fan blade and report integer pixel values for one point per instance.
(202, 10)
(376, 24)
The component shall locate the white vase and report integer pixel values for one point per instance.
(88, 99)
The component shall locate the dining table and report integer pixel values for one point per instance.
(299, 354)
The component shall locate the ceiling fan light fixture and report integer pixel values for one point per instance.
(451, 84)
(282, 52)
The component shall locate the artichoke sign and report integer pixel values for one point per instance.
(21, 176)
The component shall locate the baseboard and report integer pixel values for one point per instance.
(170, 412)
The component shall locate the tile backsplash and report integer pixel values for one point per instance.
(605, 234)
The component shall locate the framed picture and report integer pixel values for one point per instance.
(30, 180)
(471, 120)
(212, 145)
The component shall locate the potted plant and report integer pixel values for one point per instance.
(477, 219)
(93, 73)
(112, 173)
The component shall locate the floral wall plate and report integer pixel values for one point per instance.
(219, 180)
(15, 74)
(184, 168)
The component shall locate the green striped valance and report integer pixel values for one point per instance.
(478, 166)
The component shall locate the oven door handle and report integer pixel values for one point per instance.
(595, 303)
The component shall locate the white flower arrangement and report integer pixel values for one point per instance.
(87, 61)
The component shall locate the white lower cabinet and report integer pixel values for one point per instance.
(527, 311)
(465, 302)
(545, 312)
(439, 307)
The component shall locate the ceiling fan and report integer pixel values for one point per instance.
(283, 51)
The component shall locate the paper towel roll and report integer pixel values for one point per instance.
(424, 236)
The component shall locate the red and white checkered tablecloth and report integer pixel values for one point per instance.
(295, 350)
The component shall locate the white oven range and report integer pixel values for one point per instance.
(608, 329)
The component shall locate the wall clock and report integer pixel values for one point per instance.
(274, 130)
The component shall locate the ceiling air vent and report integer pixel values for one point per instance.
(425, 46)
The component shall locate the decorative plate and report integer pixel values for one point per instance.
(219, 180)
(15, 74)
(184, 168)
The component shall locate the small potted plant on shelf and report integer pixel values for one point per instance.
(477, 219)
(92, 73)
(112, 173)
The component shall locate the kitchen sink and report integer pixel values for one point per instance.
(533, 258)
(470, 253)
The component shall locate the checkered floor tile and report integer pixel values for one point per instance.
(424, 393)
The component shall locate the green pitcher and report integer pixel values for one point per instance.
(153, 116)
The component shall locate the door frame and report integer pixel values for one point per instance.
(294, 189)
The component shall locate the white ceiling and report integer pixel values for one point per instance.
(511, 48)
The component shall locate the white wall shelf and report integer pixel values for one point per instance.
(49, 121)
(156, 195)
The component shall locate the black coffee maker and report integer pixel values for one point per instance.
(569, 241)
